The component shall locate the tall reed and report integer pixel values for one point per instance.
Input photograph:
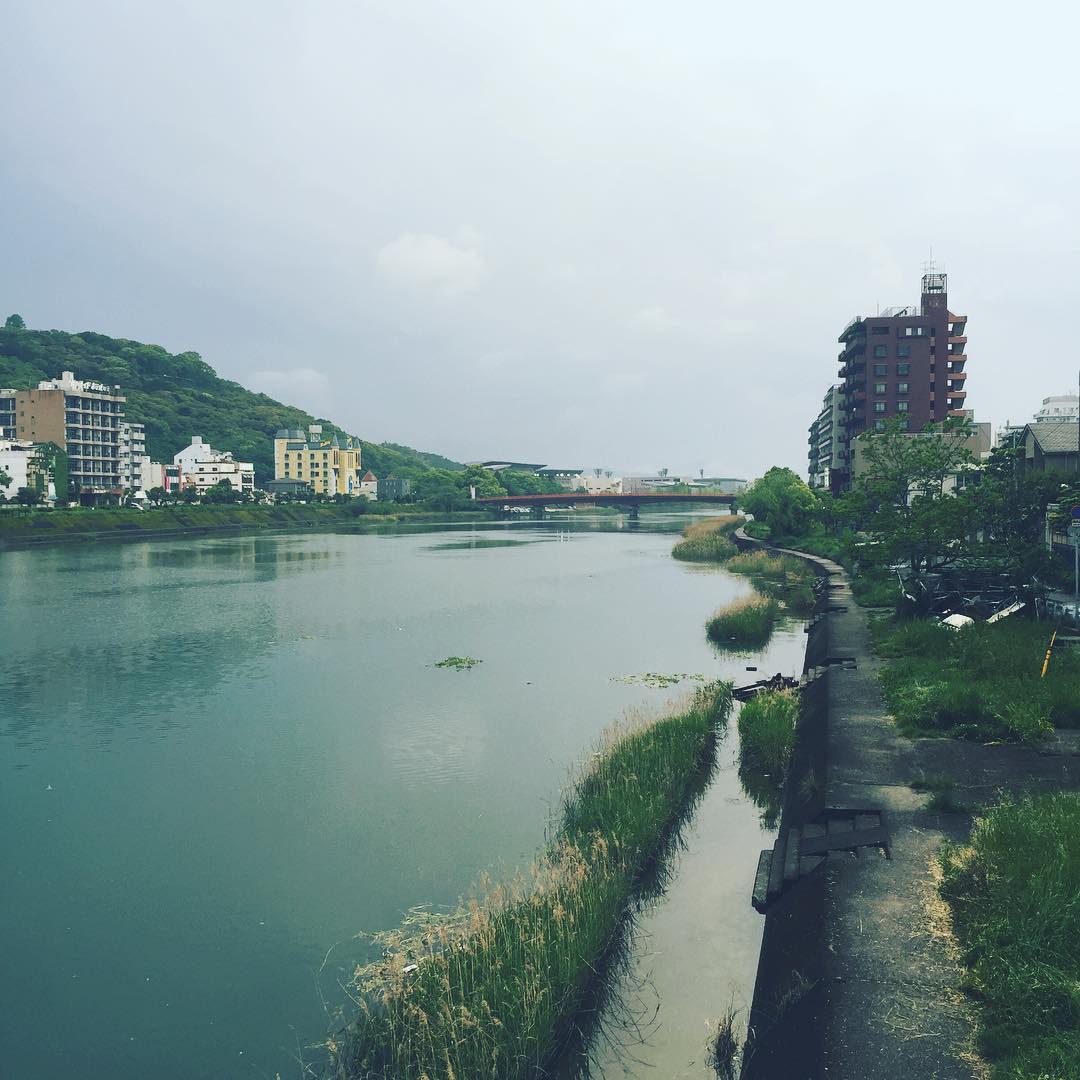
(782, 576)
(748, 621)
(491, 990)
(709, 540)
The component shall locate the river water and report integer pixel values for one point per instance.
(221, 759)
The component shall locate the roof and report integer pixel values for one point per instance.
(368, 477)
(1058, 437)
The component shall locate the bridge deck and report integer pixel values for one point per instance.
(610, 499)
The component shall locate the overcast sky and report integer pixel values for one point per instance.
(583, 233)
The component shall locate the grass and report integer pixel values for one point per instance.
(492, 989)
(745, 622)
(784, 577)
(1014, 892)
(767, 731)
(709, 540)
(982, 682)
(943, 798)
(45, 525)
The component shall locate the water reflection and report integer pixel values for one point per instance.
(764, 790)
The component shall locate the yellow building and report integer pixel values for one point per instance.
(328, 466)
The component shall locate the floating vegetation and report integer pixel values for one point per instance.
(708, 541)
(745, 623)
(493, 990)
(459, 663)
(655, 679)
(784, 577)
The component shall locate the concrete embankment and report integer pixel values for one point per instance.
(855, 978)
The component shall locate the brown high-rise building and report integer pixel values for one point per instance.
(906, 363)
(82, 418)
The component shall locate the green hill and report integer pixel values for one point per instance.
(180, 395)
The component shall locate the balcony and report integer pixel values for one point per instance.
(851, 327)
(956, 395)
(957, 376)
(960, 339)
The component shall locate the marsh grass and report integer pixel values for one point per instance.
(493, 989)
(983, 682)
(767, 731)
(1014, 891)
(748, 621)
(709, 540)
(783, 577)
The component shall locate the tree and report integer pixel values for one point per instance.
(27, 496)
(221, 492)
(5, 478)
(14, 322)
(901, 502)
(157, 495)
(782, 501)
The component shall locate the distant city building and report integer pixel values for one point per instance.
(828, 452)
(568, 479)
(132, 455)
(369, 485)
(392, 489)
(201, 467)
(1058, 407)
(82, 418)
(906, 364)
(331, 466)
(497, 465)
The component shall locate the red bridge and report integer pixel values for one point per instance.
(536, 503)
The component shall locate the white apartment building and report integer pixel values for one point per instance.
(132, 455)
(1058, 407)
(17, 460)
(201, 467)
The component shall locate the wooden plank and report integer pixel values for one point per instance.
(867, 821)
(760, 897)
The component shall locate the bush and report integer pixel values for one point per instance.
(784, 577)
(1015, 896)
(708, 541)
(748, 621)
(767, 730)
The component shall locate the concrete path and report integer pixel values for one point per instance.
(858, 978)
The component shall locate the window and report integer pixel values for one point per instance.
(914, 331)
(903, 423)
(881, 369)
(881, 350)
(879, 388)
(879, 406)
(902, 388)
(879, 425)
(903, 369)
(903, 350)
(879, 330)
(902, 406)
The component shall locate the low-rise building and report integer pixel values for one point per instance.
(392, 489)
(27, 465)
(331, 465)
(369, 485)
(1052, 447)
(132, 455)
(201, 467)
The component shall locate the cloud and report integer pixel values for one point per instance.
(424, 260)
(301, 386)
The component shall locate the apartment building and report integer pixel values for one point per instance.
(906, 363)
(827, 452)
(330, 466)
(201, 467)
(82, 418)
(132, 455)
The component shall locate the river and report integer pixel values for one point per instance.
(222, 758)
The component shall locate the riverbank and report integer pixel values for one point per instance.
(22, 528)
(496, 988)
(859, 974)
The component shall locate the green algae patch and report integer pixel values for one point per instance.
(459, 663)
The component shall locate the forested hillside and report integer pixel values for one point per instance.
(180, 395)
